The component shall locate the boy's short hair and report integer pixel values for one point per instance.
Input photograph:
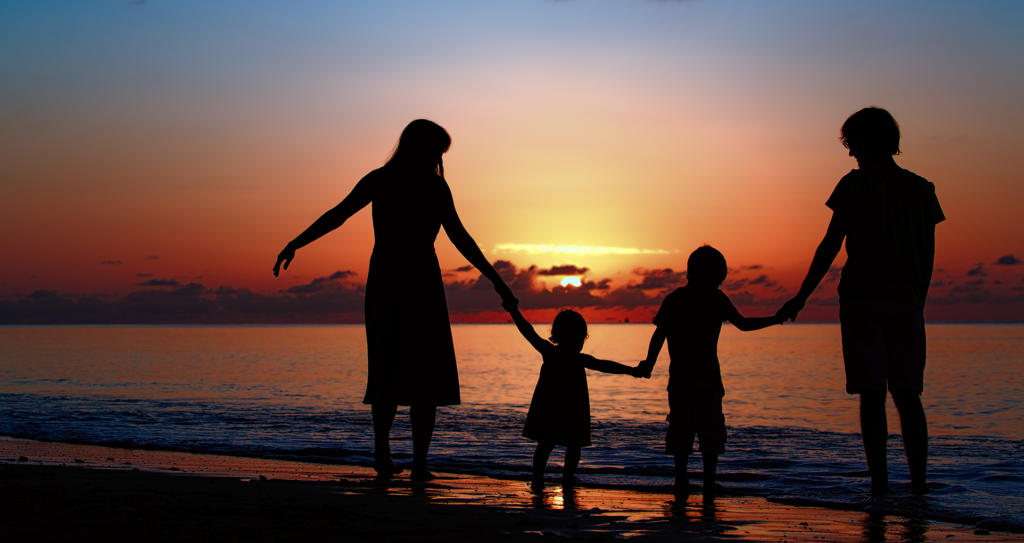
(872, 129)
(706, 266)
(568, 326)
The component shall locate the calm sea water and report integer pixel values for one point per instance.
(296, 390)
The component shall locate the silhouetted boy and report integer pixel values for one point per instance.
(691, 319)
(888, 217)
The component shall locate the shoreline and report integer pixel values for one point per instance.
(59, 489)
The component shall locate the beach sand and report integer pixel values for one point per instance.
(63, 492)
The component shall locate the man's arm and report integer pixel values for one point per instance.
(823, 258)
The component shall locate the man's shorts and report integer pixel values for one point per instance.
(883, 345)
(695, 411)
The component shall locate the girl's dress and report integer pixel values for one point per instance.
(560, 410)
(408, 335)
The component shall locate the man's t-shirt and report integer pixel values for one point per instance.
(890, 240)
(692, 321)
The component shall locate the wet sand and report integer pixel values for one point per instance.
(61, 492)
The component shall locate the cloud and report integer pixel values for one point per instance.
(575, 250)
(833, 274)
(735, 285)
(42, 294)
(752, 267)
(160, 283)
(978, 271)
(466, 268)
(152, 257)
(763, 281)
(110, 262)
(1008, 260)
(565, 269)
(143, 275)
(657, 279)
(321, 284)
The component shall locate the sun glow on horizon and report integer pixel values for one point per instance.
(571, 280)
(533, 249)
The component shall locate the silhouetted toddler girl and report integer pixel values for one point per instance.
(560, 410)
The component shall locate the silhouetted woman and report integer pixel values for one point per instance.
(408, 336)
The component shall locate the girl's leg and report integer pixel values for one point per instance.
(421, 418)
(572, 459)
(540, 461)
(383, 418)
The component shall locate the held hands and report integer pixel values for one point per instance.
(286, 256)
(510, 305)
(790, 309)
(508, 300)
(643, 370)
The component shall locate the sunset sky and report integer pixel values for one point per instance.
(155, 155)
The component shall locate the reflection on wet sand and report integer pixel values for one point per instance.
(578, 511)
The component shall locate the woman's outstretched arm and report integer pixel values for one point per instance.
(359, 198)
(468, 247)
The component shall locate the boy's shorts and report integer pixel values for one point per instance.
(695, 411)
(883, 345)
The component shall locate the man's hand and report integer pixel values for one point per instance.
(790, 309)
(644, 369)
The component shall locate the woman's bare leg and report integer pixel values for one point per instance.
(383, 418)
(422, 419)
(572, 460)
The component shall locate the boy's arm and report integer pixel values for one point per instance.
(524, 326)
(749, 324)
(823, 257)
(653, 350)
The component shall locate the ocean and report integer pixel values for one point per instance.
(296, 392)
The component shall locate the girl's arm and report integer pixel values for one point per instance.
(525, 328)
(607, 366)
(359, 198)
(467, 246)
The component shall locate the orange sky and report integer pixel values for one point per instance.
(208, 140)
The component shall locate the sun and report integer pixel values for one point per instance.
(574, 281)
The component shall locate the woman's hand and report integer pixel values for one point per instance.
(286, 256)
(506, 294)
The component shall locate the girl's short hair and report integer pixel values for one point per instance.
(873, 129)
(568, 326)
(706, 266)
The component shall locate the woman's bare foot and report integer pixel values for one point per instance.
(421, 474)
(386, 469)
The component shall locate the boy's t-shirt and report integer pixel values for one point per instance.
(890, 241)
(692, 321)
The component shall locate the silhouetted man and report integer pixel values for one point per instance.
(887, 216)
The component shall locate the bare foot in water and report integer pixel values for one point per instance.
(386, 469)
(421, 475)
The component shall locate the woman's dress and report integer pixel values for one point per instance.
(408, 335)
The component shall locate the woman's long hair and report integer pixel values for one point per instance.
(420, 146)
